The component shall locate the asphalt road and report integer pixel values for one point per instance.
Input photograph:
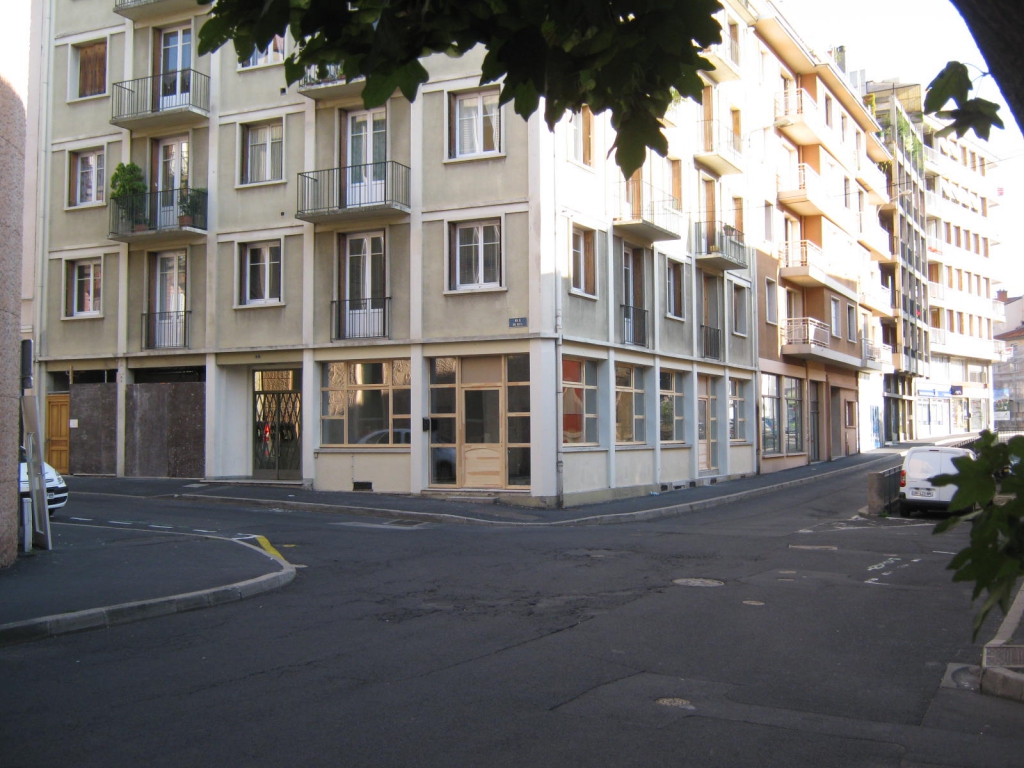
(815, 639)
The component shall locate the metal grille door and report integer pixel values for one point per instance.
(277, 419)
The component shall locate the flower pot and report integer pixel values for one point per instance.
(184, 220)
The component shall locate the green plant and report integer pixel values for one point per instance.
(127, 180)
(191, 201)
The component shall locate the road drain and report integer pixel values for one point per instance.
(698, 582)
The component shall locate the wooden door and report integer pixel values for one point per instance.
(58, 410)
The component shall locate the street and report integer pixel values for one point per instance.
(783, 630)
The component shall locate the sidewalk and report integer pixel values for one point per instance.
(97, 577)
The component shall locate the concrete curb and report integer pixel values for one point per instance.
(999, 680)
(611, 519)
(125, 613)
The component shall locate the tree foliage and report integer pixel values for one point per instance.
(631, 58)
(989, 487)
(954, 83)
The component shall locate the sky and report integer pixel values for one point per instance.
(875, 33)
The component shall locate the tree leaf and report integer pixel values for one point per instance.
(953, 82)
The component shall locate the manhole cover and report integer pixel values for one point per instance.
(698, 582)
(673, 702)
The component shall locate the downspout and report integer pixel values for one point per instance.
(559, 455)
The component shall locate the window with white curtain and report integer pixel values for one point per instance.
(262, 152)
(476, 257)
(260, 273)
(476, 124)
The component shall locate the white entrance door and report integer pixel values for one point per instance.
(172, 179)
(169, 323)
(367, 154)
(175, 67)
(366, 307)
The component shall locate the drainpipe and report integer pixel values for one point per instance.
(559, 455)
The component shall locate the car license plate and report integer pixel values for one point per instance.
(50, 496)
(925, 493)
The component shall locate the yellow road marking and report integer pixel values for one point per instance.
(265, 543)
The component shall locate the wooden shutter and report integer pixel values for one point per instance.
(677, 288)
(72, 178)
(69, 290)
(638, 277)
(589, 266)
(244, 149)
(452, 126)
(453, 236)
(587, 126)
(243, 273)
(92, 69)
(677, 184)
(153, 267)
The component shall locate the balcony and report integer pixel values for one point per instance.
(725, 56)
(373, 190)
(634, 326)
(872, 177)
(178, 98)
(936, 291)
(719, 245)
(361, 318)
(721, 150)
(143, 10)
(804, 263)
(945, 342)
(877, 298)
(873, 237)
(805, 194)
(710, 342)
(156, 217)
(810, 339)
(998, 311)
(798, 118)
(876, 357)
(165, 330)
(330, 85)
(646, 213)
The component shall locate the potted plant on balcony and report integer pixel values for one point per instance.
(190, 205)
(128, 186)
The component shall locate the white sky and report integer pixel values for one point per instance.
(14, 51)
(912, 40)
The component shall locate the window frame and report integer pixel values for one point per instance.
(851, 323)
(837, 319)
(482, 97)
(740, 314)
(638, 409)
(454, 256)
(771, 297)
(771, 409)
(71, 280)
(268, 53)
(793, 404)
(675, 276)
(244, 296)
(396, 419)
(75, 70)
(245, 130)
(583, 273)
(737, 411)
(74, 178)
(587, 384)
(675, 396)
(581, 137)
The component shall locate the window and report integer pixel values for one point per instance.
(828, 110)
(476, 257)
(769, 215)
(475, 127)
(676, 172)
(771, 304)
(84, 288)
(793, 392)
(770, 408)
(846, 191)
(837, 319)
(90, 63)
(737, 410)
(584, 269)
(87, 178)
(581, 131)
(675, 287)
(579, 402)
(365, 403)
(851, 413)
(629, 404)
(851, 323)
(272, 54)
(260, 273)
(739, 309)
(262, 152)
(673, 409)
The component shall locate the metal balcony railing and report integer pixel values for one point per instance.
(179, 89)
(639, 200)
(634, 325)
(719, 138)
(154, 211)
(803, 253)
(796, 102)
(353, 186)
(332, 74)
(165, 330)
(807, 330)
(936, 290)
(937, 335)
(360, 318)
(721, 239)
(711, 342)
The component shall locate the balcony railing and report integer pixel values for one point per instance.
(169, 209)
(803, 253)
(723, 241)
(634, 325)
(648, 212)
(937, 335)
(332, 74)
(182, 89)
(807, 330)
(360, 318)
(879, 353)
(721, 147)
(327, 192)
(796, 102)
(711, 342)
(165, 330)
(936, 290)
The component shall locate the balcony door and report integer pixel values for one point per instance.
(367, 156)
(634, 320)
(169, 316)
(175, 67)
(364, 312)
(171, 179)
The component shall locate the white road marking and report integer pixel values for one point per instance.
(167, 527)
(118, 522)
(200, 530)
(820, 547)
(941, 552)
(82, 519)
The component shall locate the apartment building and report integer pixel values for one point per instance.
(825, 281)
(302, 290)
(1008, 372)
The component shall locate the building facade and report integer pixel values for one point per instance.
(1008, 372)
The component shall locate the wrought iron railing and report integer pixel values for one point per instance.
(163, 210)
(711, 342)
(353, 186)
(332, 74)
(716, 237)
(807, 330)
(634, 325)
(361, 318)
(641, 201)
(178, 89)
(719, 138)
(163, 330)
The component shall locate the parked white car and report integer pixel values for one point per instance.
(919, 466)
(56, 488)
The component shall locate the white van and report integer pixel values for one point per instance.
(919, 466)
